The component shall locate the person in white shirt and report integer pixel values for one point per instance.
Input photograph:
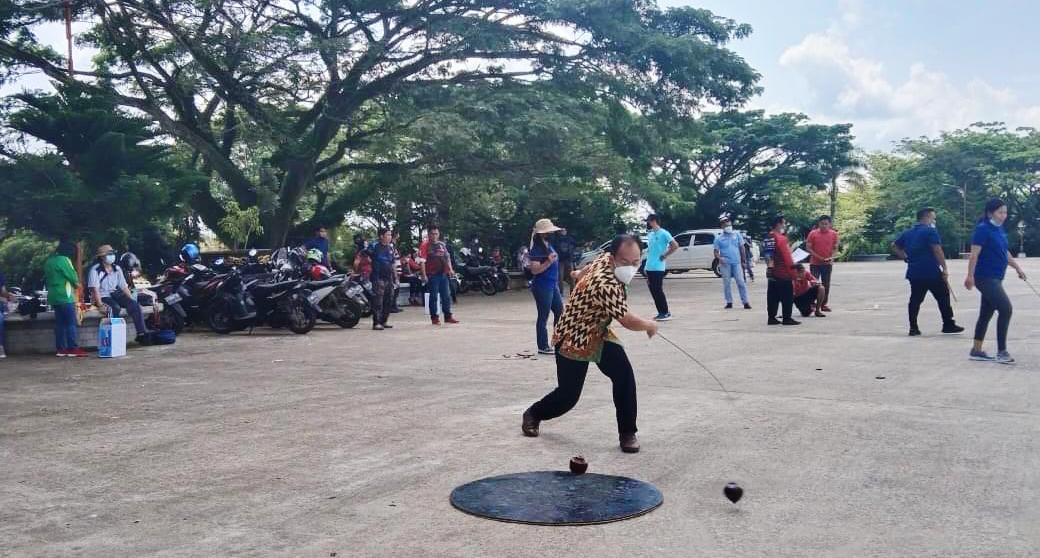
(109, 290)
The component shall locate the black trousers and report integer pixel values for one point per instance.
(382, 300)
(823, 273)
(919, 288)
(655, 280)
(780, 292)
(804, 301)
(570, 378)
(994, 299)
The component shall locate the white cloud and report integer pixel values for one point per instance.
(843, 85)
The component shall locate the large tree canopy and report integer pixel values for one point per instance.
(741, 162)
(279, 99)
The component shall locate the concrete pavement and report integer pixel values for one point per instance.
(349, 442)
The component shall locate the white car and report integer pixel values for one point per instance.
(696, 251)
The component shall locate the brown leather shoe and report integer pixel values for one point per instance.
(629, 443)
(449, 319)
(435, 320)
(530, 425)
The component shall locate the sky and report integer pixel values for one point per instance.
(893, 68)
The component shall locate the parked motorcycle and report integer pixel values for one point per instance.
(239, 306)
(338, 300)
(477, 277)
(186, 292)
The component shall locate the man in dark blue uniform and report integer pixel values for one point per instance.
(921, 248)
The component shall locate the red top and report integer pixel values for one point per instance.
(823, 243)
(804, 283)
(783, 264)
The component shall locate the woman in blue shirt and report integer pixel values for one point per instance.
(986, 268)
(545, 283)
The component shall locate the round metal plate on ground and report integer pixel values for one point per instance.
(556, 498)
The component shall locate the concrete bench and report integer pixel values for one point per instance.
(26, 335)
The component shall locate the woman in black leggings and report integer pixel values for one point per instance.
(989, 261)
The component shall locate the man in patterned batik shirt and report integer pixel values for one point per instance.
(583, 335)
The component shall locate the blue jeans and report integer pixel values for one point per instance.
(65, 326)
(547, 298)
(3, 337)
(733, 269)
(118, 300)
(439, 288)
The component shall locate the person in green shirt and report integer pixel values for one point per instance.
(62, 281)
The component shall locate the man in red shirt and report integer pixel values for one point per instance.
(822, 244)
(436, 272)
(807, 292)
(780, 271)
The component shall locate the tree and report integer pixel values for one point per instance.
(745, 163)
(103, 176)
(310, 81)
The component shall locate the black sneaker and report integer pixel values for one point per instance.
(791, 321)
(773, 321)
(729, 305)
(747, 306)
(914, 332)
(952, 328)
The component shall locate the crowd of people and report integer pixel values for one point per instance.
(582, 322)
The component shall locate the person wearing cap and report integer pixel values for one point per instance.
(659, 245)
(110, 292)
(544, 265)
(729, 250)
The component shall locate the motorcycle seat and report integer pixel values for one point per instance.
(268, 289)
(324, 283)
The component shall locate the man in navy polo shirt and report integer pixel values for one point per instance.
(926, 270)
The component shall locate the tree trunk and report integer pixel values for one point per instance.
(834, 198)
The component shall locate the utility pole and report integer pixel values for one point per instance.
(68, 32)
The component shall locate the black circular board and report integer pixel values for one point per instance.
(556, 498)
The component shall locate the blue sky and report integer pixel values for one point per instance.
(893, 68)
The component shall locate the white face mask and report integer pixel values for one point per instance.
(625, 273)
(994, 222)
(110, 259)
(931, 225)
(728, 228)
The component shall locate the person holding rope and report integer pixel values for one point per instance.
(986, 268)
(583, 335)
(926, 270)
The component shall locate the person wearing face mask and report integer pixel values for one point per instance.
(926, 270)
(544, 265)
(110, 292)
(583, 336)
(729, 250)
(986, 268)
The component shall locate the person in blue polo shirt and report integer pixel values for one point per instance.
(926, 269)
(989, 261)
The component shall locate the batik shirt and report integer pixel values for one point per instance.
(598, 299)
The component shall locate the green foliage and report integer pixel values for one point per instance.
(748, 164)
(296, 111)
(955, 173)
(107, 179)
(240, 224)
(21, 259)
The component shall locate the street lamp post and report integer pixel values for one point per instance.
(1021, 239)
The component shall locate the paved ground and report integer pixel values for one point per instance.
(349, 442)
